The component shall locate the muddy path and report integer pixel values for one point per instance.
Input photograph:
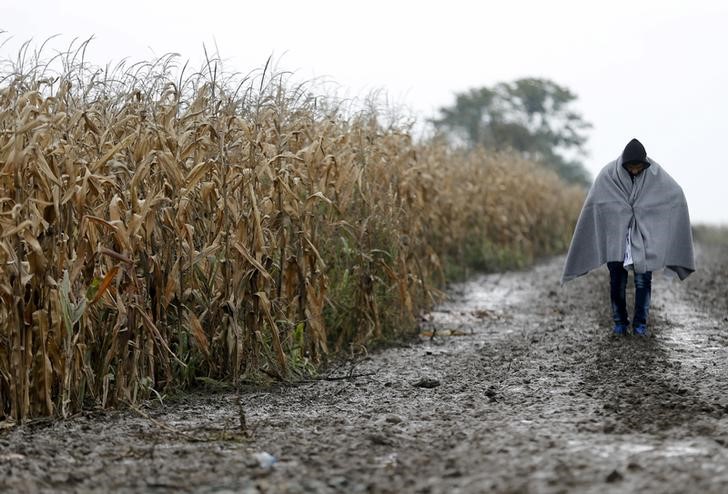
(522, 388)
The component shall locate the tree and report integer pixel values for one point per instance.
(531, 116)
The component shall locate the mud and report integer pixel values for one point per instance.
(515, 385)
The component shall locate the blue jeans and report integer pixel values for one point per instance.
(642, 292)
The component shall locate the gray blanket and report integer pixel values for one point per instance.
(653, 208)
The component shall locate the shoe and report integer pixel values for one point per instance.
(620, 329)
(640, 330)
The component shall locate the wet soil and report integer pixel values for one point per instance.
(521, 388)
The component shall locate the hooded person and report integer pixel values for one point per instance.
(635, 217)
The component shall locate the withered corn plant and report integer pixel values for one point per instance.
(158, 228)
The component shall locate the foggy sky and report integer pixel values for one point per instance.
(647, 69)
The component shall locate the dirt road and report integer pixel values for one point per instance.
(522, 389)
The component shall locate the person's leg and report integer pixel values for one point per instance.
(617, 286)
(642, 295)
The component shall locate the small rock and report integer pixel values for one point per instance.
(265, 460)
(483, 313)
(427, 382)
(615, 476)
(59, 477)
(393, 419)
(380, 439)
(491, 393)
(338, 481)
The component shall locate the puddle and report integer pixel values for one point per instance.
(617, 448)
(609, 450)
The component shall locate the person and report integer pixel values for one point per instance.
(635, 218)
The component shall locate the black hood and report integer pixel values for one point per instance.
(634, 152)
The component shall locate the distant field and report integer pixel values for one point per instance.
(711, 235)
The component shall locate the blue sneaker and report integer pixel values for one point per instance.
(620, 329)
(640, 330)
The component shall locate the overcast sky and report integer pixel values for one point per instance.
(654, 70)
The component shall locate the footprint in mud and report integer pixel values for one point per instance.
(640, 387)
(644, 386)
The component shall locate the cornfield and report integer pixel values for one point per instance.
(155, 230)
